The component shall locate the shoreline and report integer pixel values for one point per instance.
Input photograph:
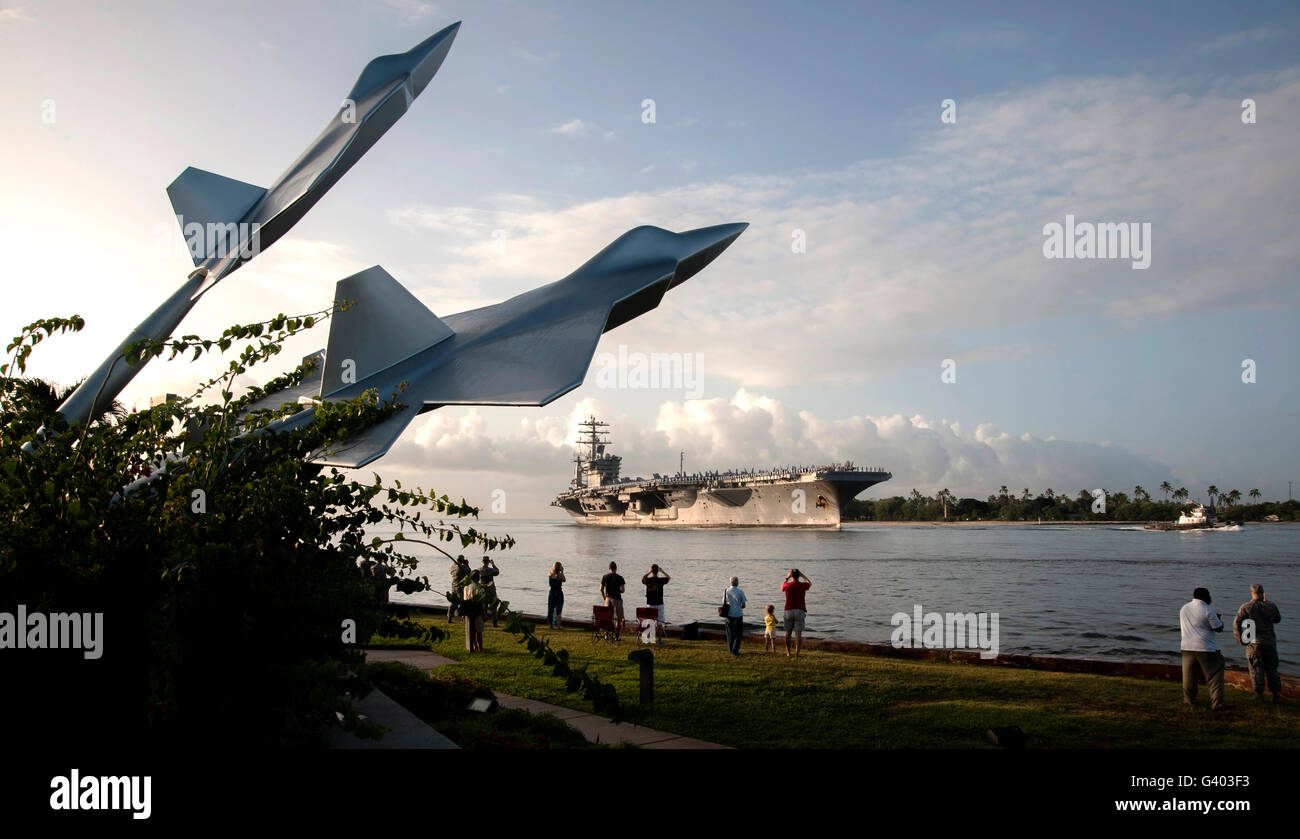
(1234, 674)
(1005, 523)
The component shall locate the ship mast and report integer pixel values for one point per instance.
(595, 440)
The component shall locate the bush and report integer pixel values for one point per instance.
(234, 576)
(443, 702)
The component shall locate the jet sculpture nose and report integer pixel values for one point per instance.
(427, 56)
(701, 246)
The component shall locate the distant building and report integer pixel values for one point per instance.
(162, 399)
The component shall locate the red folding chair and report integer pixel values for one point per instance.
(647, 619)
(603, 625)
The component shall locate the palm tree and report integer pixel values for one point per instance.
(1181, 494)
(944, 495)
(47, 396)
(916, 496)
(1254, 495)
(1024, 496)
(1166, 488)
(1140, 494)
(1212, 491)
(1050, 495)
(1233, 498)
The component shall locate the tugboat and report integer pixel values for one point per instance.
(1198, 518)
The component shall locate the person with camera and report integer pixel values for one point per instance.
(796, 611)
(1198, 623)
(487, 578)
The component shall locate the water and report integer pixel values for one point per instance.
(1086, 591)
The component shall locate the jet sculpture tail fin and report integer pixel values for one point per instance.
(214, 202)
(384, 323)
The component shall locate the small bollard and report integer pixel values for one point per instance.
(646, 658)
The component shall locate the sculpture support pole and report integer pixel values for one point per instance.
(104, 385)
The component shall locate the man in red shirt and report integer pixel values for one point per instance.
(795, 611)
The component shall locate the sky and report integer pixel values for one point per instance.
(899, 164)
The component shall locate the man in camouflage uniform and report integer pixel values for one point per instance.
(460, 574)
(1260, 641)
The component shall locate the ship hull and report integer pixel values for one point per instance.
(810, 504)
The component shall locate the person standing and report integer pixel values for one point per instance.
(769, 630)
(460, 572)
(473, 609)
(1260, 641)
(487, 577)
(611, 588)
(1198, 623)
(654, 584)
(734, 597)
(796, 611)
(555, 600)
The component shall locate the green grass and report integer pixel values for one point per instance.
(829, 700)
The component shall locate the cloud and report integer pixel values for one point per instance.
(582, 128)
(528, 55)
(752, 430)
(1236, 40)
(15, 13)
(411, 11)
(937, 251)
(1007, 38)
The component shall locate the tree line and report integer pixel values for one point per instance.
(1049, 505)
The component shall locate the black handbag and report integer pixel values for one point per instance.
(724, 610)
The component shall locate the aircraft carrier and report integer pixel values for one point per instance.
(797, 496)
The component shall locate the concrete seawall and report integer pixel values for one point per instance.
(1234, 675)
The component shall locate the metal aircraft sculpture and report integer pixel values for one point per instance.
(529, 350)
(228, 222)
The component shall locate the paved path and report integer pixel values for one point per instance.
(405, 730)
(595, 728)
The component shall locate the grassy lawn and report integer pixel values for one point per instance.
(828, 700)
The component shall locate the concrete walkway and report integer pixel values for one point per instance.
(405, 730)
(595, 728)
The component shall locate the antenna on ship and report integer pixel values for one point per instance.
(595, 440)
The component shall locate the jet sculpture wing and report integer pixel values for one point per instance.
(528, 350)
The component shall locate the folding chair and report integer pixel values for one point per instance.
(647, 621)
(603, 625)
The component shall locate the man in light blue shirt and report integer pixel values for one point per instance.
(1199, 623)
(735, 598)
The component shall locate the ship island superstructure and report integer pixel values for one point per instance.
(795, 496)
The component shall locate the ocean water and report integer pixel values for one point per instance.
(1085, 591)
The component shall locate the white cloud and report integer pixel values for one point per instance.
(411, 11)
(1007, 38)
(15, 13)
(575, 128)
(582, 128)
(752, 430)
(911, 258)
(1236, 40)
